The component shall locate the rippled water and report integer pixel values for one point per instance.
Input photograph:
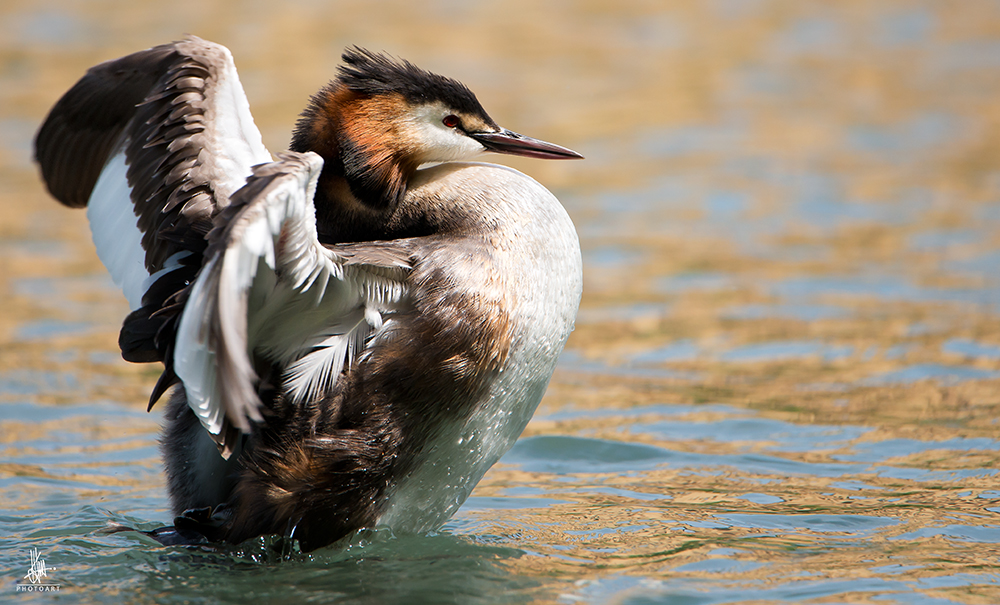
(784, 384)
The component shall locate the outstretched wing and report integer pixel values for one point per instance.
(153, 144)
(270, 290)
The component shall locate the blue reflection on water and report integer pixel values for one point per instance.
(48, 328)
(881, 286)
(757, 498)
(906, 27)
(784, 350)
(810, 36)
(800, 311)
(920, 133)
(878, 451)
(850, 524)
(964, 533)
(684, 282)
(780, 436)
(682, 350)
(703, 591)
(611, 257)
(971, 348)
(571, 455)
(48, 27)
(719, 566)
(942, 374)
(31, 382)
(936, 240)
(850, 455)
(687, 140)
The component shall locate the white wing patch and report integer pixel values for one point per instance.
(270, 289)
(329, 353)
(194, 362)
(229, 146)
(115, 230)
(239, 142)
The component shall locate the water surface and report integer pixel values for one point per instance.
(784, 384)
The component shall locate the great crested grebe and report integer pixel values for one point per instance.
(352, 338)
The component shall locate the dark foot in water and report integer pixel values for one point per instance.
(195, 527)
(172, 535)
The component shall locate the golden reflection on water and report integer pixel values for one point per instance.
(788, 214)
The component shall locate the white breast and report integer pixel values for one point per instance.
(538, 254)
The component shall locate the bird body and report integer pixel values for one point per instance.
(351, 337)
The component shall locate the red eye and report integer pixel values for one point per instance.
(451, 121)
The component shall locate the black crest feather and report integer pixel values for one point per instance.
(372, 73)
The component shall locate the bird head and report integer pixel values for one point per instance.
(382, 118)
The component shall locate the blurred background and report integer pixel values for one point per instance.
(784, 383)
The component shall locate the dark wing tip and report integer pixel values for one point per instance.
(84, 127)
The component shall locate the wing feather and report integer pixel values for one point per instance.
(271, 291)
(153, 144)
